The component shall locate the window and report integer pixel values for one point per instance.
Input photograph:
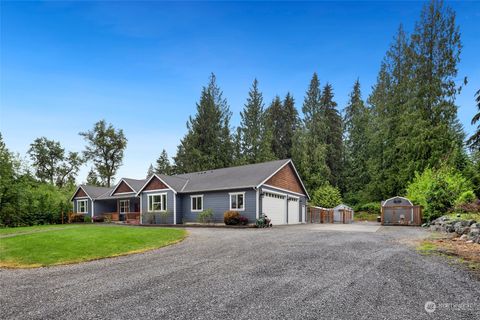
(82, 206)
(197, 203)
(237, 201)
(124, 206)
(157, 202)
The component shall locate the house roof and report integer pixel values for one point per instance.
(246, 176)
(93, 192)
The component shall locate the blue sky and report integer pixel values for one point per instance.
(141, 65)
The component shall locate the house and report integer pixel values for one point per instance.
(273, 188)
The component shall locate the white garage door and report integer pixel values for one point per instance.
(274, 207)
(293, 210)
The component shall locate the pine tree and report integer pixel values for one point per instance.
(309, 148)
(282, 121)
(208, 142)
(356, 123)
(333, 136)
(163, 165)
(474, 140)
(150, 171)
(254, 143)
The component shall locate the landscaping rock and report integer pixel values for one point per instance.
(464, 237)
(470, 222)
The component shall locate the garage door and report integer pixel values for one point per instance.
(274, 207)
(293, 210)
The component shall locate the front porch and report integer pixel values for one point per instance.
(126, 210)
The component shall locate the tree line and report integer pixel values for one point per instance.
(375, 148)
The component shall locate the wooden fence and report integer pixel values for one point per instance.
(320, 215)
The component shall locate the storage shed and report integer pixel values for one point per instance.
(343, 213)
(400, 211)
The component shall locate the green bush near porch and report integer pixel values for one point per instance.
(39, 247)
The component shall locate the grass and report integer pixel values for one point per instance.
(465, 216)
(365, 216)
(78, 243)
(6, 231)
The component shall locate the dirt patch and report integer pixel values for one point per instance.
(452, 247)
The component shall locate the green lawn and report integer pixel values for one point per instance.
(4, 231)
(76, 243)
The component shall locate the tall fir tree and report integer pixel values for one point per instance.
(254, 143)
(356, 141)
(163, 165)
(208, 142)
(282, 122)
(333, 136)
(150, 171)
(309, 149)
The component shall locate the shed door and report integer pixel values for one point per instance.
(293, 210)
(274, 207)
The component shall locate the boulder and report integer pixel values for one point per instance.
(470, 222)
(464, 237)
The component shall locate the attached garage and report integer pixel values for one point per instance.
(274, 206)
(293, 210)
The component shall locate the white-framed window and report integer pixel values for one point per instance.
(157, 202)
(196, 203)
(82, 206)
(237, 201)
(124, 206)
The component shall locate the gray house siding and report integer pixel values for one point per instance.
(219, 202)
(179, 206)
(302, 200)
(89, 205)
(104, 206)
(157, 217)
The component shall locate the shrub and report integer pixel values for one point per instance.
(327, 196)
(98, 219)
(243, 220)
(471, 207)
(231, 217)
(465, 197)
(87, 219)
(437, 190)
(206, 216)
(371, 207)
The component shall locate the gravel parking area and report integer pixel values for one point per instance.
(295, 272)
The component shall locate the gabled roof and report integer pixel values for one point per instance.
(134, 184)
(240, 177)
(247, 176)
(93, 192)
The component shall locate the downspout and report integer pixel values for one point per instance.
(257, 196)
(175, 208)
(141, 210)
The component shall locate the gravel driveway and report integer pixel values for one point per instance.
(295, 272)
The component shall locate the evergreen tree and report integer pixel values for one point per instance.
(150, 171)
(474, 140)
(356, 123)
(253, 140)
(282, 121)
(309, 148)
(333, 136)
(163, 165)
(208, 142)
